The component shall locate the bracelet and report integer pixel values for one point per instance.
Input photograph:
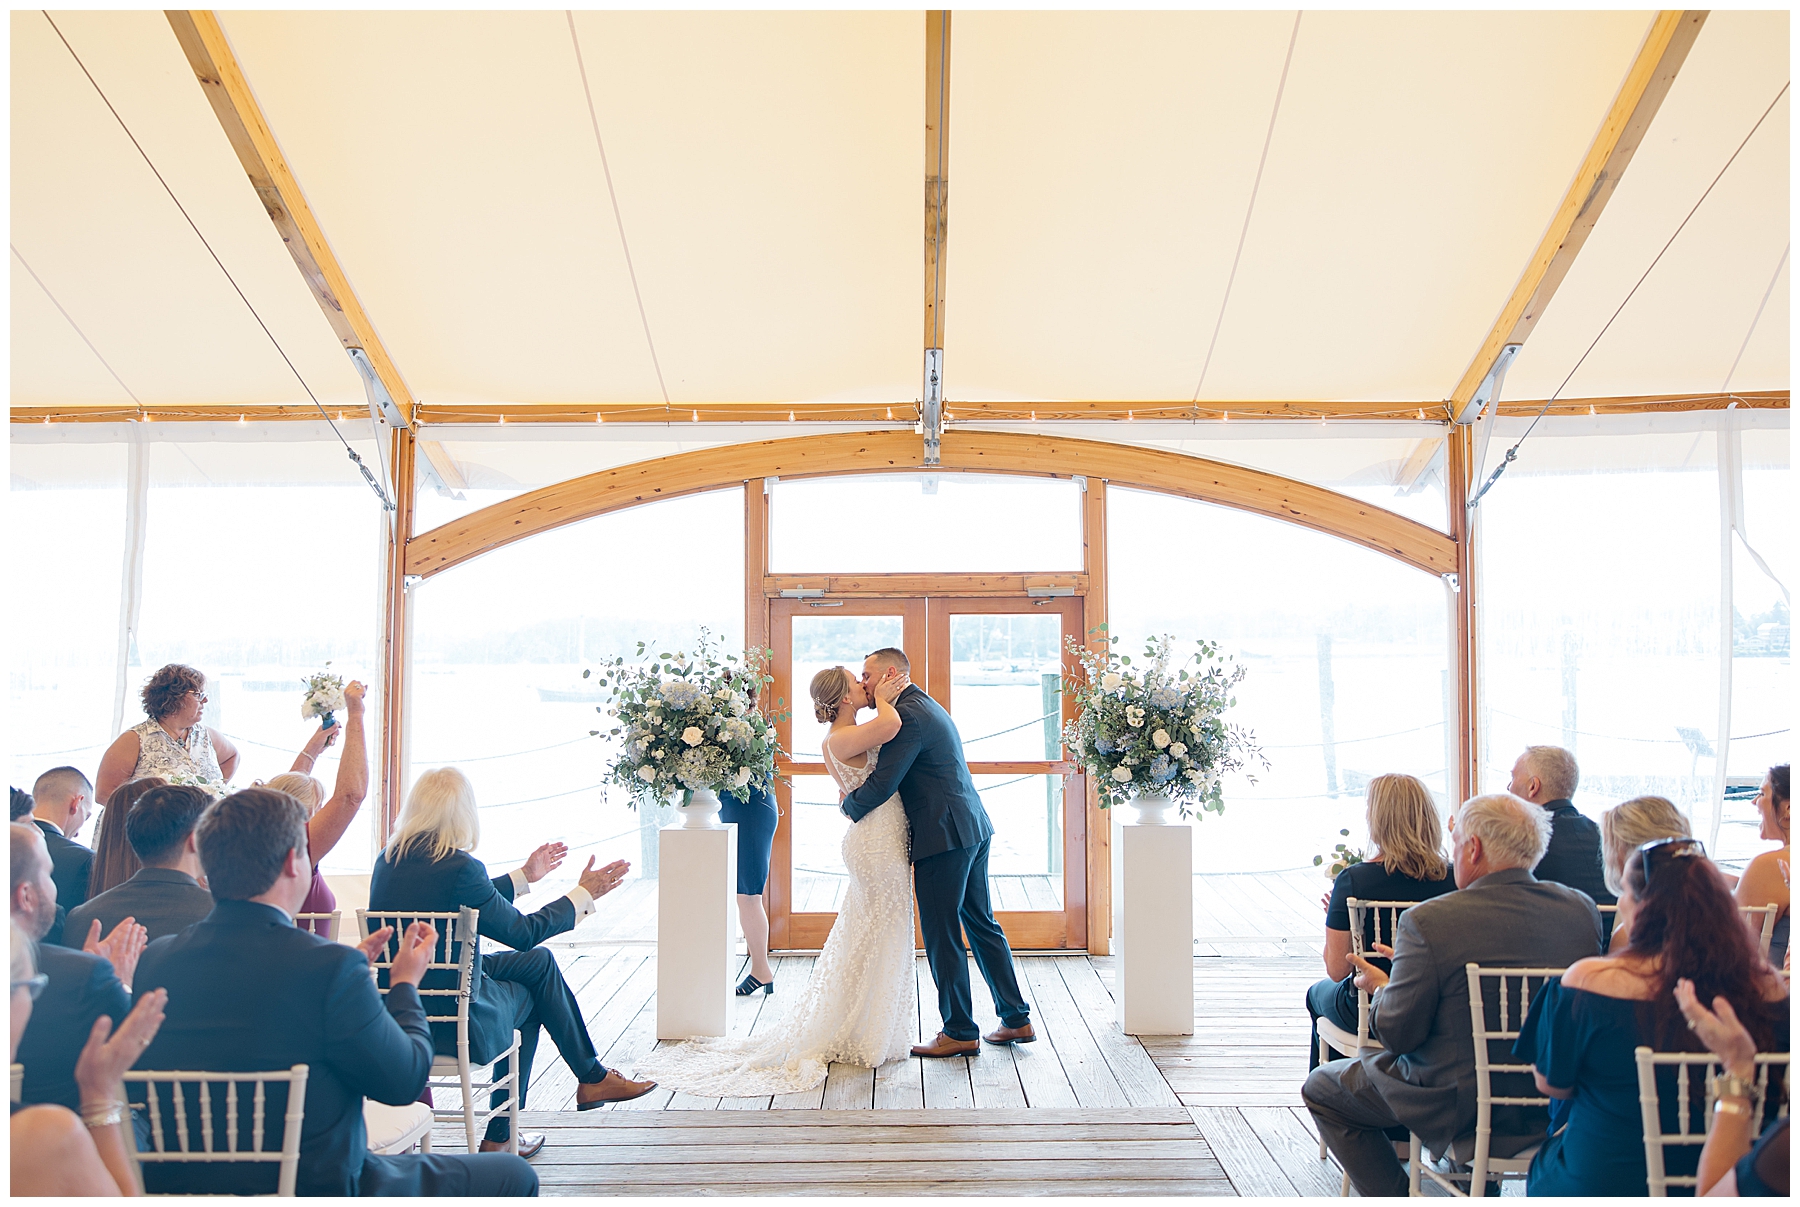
(1726, 1107)
(1730, 1085)
(103, 1114)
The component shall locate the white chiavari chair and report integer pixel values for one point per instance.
(175, 1114)
(1656, 1141)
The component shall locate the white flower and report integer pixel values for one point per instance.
(1160, 739)
(1122, 774)
(1177, 749)
(1192, 775)
(1134, 716)
(647, 773)
(1110, 681)
(741, 778)
(693, 735)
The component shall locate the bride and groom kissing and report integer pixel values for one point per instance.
(918, 825)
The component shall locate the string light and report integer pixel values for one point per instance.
(599, 418)
(241, 419)
(696, 416)
(1591, 409)
(790, 417)
(1421, 412)
(1227, 418)
(1129, 415)
(503, 417)
(890, 411)
(148, 416)
(340, 417)
(1034, 417)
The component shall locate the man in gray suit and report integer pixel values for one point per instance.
(1423, 1078)
(165, 895)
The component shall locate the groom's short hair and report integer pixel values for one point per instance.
(889, 656)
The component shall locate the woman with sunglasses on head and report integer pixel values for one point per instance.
(1765, 881)
(1678, 922)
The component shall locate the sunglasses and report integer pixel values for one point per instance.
(1660, 852)
(33, 984)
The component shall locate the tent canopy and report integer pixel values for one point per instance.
(1131, 214)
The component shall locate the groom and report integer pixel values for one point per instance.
(950, 838)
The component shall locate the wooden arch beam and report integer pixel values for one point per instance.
(1665, 49)
(1170, 473)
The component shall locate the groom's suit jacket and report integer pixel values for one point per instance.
(925, 763)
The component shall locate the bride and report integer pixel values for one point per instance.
(861, 1005)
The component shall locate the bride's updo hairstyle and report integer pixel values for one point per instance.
(829, 687)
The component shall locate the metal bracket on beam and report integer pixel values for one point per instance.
(1489, 390)
(802, 592)
(380, 401)
(1080, 480)
(769, 485)
(1048, 592)
(931, 414)
(1453, 582)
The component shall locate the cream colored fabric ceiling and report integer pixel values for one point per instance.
(767, 170)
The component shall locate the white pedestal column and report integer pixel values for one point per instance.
(1153, 928)
(695, 920)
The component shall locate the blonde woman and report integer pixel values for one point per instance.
(427, 867)
(1406, 863)
(329, 817)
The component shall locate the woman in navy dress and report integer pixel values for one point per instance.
(1582, 1032)
(755, 815)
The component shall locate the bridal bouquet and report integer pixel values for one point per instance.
(689, 724)
(324, 696)
(1158, 728)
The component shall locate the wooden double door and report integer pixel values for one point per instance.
(996, 664)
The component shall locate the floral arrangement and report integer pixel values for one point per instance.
(1341, 856)
(1157, 728)
(688, 724)
(324, 696)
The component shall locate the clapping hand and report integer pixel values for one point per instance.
(1721, 1032)
(544, 860)
(416, 949)
(376, 943)
(888, 689)
(100, 1070)
(600, 881)
(121, 948)
(1368, 977)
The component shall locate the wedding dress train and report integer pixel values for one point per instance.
(860, 1006)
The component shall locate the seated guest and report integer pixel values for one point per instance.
(1731, 1165)
(62, 800)
(114, 860)
(1407, 864)
(1546, 776)
(1626, 827)
(1680, 925)
(165, 896)
(1501, 916)
(329, 818)
(21, 804)
(247, 990)
(172, 742)
(82, 988)
(1765, 881)
(83, 1149)
(427, 867)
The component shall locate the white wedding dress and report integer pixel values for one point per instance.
(861, 1004)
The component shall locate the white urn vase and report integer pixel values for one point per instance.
(1152, 808)
(702, 811)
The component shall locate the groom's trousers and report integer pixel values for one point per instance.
(952, 891)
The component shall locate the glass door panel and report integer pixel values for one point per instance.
(1025, 862)
(829, 638)
(1005, 676)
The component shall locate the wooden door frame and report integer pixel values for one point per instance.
(1030, 930)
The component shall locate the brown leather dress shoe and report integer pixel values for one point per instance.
(1011, 1035)
(616, 1087)
(943, 1045)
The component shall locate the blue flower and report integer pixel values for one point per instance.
(1165, 697)
(1104, 744)
(679, 693)
(1161, 770)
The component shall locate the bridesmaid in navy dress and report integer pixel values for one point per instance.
(755, 818)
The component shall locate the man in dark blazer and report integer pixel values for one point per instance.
(1546, 776)
(83, 986)
(1423, 1077)
(165, 895)
(250, 991)
(62, 800)
(951, 834)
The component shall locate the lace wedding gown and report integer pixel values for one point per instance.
(860, 1006)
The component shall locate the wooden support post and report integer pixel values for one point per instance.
(1099, 821)
(1464, 777)
(396, 637)
(937, 169)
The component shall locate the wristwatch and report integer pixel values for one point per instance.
(1730, 1085)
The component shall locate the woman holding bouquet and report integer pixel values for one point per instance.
(329, 817)
(171, 743)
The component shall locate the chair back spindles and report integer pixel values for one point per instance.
(239, 1147)
(1691, 1125)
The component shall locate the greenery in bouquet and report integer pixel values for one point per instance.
(1342, 856)
(193, 779)
(1158, 728)
(687, 723)
(324, 696)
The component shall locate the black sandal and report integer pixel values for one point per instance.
(750, 985)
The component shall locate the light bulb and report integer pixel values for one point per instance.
(503, 418)
(696, 416)
(890, 412)
(790, 417)
(1421, 412)
(1227, 418)
(599, 418)
(1591, 409)
(241, 419)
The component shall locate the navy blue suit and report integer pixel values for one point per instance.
(70, 863)
(1573, 856)
(248, 991)
(82, 987)
(521, 989)
(951, 834)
